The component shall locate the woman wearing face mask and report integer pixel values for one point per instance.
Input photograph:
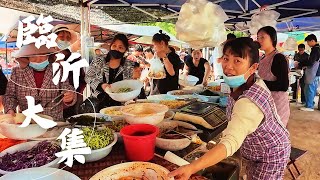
(198, 67)
(67, 39)
(274, 70)
(34, 78)
(104, 71)
(254, 126)
(171, 63)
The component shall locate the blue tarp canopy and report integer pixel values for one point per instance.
(300, 24)
(237, 10)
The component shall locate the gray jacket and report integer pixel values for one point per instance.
(99, 68)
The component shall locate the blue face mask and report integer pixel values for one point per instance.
(234, 81)
(39, 66)
(63, 44)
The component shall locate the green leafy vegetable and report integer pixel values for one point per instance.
(99, 138)
(124, 90)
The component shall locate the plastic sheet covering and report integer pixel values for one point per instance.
(290, 44)
(263, 18)
(201, 24)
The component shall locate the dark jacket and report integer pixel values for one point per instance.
(301, 58)
(3, 83)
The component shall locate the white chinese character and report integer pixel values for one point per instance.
(67, 67)
(31, 113)
(73, 147)
(25, 37)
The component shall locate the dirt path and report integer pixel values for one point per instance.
(304, 130)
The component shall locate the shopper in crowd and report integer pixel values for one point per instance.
(35, 79)
(171, 63)
(69, 42)
(300, 56)
(104, 71)
(274, 70)
(3, 85)
(312, 72)
(216, 67)
(198, 67)
(254, 126)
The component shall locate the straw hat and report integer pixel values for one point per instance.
(31, 50)
(74, 39)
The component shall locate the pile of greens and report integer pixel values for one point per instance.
(97, 139)
(124, 90)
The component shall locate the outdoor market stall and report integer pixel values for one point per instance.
(194, 116)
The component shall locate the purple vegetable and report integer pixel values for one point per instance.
(39, 155)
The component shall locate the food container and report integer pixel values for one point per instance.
(133, 169)
(13, 131)
(113, 112)
(144, 113)
(161, 97)
(25, 147)
(101, 153)
(40, 173)
(135, 85)
(213, 97)
(188, 81)
(139, 141)
(173, 144)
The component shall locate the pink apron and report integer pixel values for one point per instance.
(280, 98)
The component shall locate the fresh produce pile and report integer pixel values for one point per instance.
(124, 90)
(85, 120)
(99, 138)
(39, 155)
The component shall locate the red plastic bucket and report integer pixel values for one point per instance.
(139, 141)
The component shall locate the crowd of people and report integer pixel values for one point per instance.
(258, 107)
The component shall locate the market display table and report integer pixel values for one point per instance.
(117, 156)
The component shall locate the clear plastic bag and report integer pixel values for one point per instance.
(156, 70)
(201, 24)
(263, 18)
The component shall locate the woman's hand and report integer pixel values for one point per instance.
(204, 83)
(182, 173)
(161, 54)
(105, 85)
(68, 97)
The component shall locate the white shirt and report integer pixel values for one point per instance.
(217, 68)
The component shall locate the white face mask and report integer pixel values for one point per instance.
(63, 44)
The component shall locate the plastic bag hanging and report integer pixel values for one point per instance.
(290, 44)
(156, 70)
(201, 24)
(262, 19)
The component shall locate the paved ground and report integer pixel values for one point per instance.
(304, 130)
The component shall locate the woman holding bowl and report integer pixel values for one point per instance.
(105, 70)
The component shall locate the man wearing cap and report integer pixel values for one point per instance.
(34, 78)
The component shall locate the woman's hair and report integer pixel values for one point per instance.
(158, 37)
(123, 38)
(149, 49)
(243, 47)
(271, 32)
